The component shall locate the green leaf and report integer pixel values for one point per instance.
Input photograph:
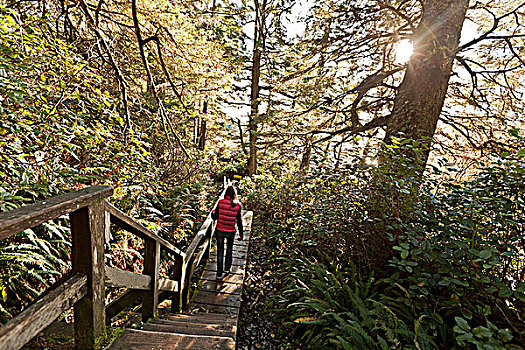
(505, 292)
(462, 323)
(482, 332)
(485, 254)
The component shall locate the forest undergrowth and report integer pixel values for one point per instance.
(349, 263)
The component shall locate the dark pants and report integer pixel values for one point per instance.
(229, 236)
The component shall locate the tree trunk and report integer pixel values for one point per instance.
(420, 96)
(307, 154)
(202, 135)
(201, 130)
(254, 94)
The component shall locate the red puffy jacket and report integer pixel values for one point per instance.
(227, 215)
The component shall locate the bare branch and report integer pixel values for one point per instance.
(352, 130)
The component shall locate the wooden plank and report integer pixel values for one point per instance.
(235, 269)
(127, 279)
(238, 243)
(87, 256)
(123, 301)
(168, 285)
(151, 267)
(232, 278)
(202, 317)
(107, 227)
(197, 327)
(240, 248)
(146, 340)
(22, 328)
(221, 287)
(237, 261)
(179, 274)
(236, 255)
(123, 221)
(230, 300)
(28, 216)
(217, 308)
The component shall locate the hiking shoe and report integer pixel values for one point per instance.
(220, 276)
(226, 273)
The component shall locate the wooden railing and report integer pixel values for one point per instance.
(90, 217)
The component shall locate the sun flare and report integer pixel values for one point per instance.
(403, 50)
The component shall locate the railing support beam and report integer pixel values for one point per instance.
(151, 267)
(87, 230)
(177, 275)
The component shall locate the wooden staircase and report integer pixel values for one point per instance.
(211, 322)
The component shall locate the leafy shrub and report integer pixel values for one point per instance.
(326, 306)
(461, 257)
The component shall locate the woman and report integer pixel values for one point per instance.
(227, 213)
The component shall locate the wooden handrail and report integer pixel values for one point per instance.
(121, 278)
(123, 221)
(24, 327)
(31, 215)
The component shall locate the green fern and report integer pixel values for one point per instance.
(325, 306)
(30, 262)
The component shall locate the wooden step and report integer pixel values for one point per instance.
(219, 309)
(221, 287)
(200, 324)
(236, 261)
(134, 339)
(241, 249)
(238, 256)
(211, 318)
(231, 278)
(203, 297)
(235, 269)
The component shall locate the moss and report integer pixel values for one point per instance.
(109, 336)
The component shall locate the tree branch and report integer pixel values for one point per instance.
(352, 130)
(118, 73)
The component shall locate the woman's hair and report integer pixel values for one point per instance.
(232, 193)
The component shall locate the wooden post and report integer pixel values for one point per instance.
(209, 236)
(107, 227)
(87, 230)
(178, 275)
(150, 299)
(185, 292)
